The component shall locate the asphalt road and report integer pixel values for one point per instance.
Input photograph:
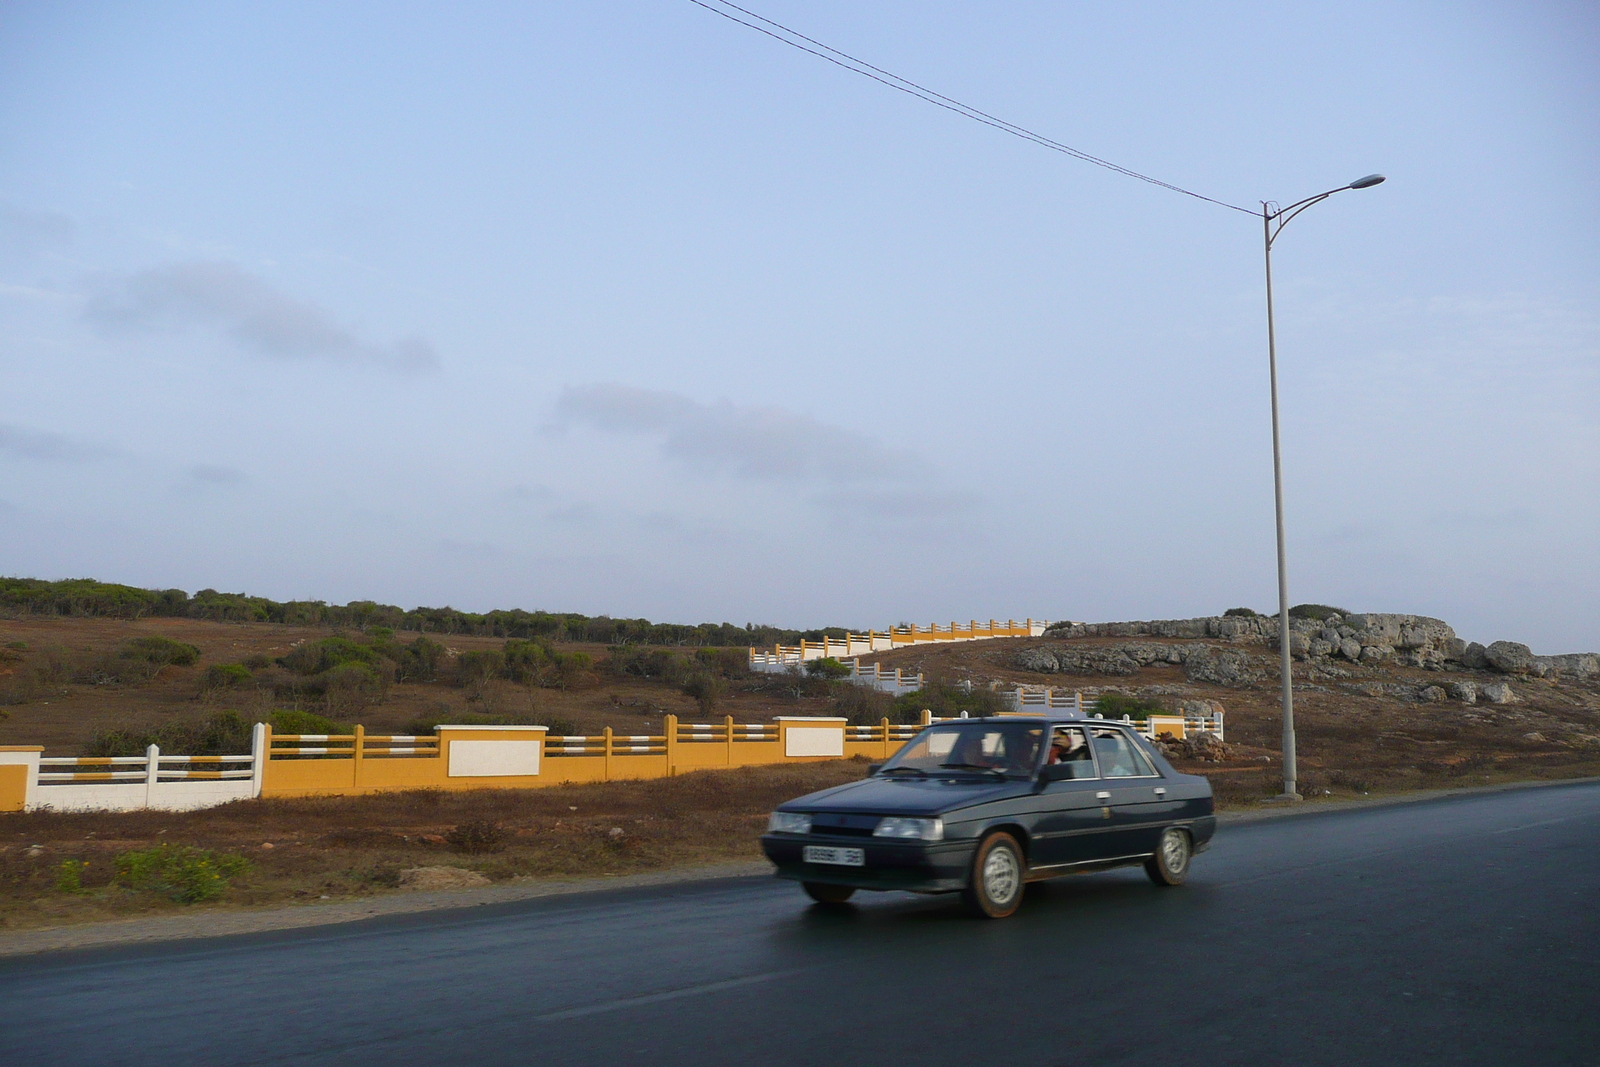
(1460, 931)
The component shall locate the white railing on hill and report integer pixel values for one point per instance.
(780, 656)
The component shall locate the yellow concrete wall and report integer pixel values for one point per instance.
(13, 786)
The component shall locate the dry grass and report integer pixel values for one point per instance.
(352, 846)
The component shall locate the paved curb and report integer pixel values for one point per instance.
(1278, 809)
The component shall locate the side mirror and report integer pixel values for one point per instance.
(873, 768)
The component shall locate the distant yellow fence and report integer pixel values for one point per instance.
(898, 637)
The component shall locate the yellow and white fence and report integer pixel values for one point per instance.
(467, 757)
(782, 656)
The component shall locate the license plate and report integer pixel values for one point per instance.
(839, 857)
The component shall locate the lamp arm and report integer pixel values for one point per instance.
(1282, 216)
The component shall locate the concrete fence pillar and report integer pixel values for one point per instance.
(152, 768)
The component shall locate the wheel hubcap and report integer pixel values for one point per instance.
(1175, 851)
(1000, 875)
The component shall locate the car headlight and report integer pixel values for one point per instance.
(920, 829)
(788, 822)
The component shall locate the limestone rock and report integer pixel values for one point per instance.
(1473, 656)
(1498, 693)
(1320, 647)
(1433, 694)
(1466, 692)
(1350, 649)
(1510, 657)
(1222, 666)
(441, 878)
(1036, 659)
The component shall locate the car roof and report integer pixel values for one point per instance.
(1047, 718)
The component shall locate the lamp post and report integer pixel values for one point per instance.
(1273, 220)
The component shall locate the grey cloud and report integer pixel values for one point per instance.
(260, 318)
(765, 443)
(27, 230)
(50, 447)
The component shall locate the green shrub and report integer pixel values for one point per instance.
(827, 667)
(69, 876)
(180, 872)
(296, 721)
(226, 733)
(17, 646)
(1116, 705)
(724, 662)
(657, 663)
(862, 705)
(476, 668)
(227, 676)
(317, 657)
(160, 651)
(427, 724)
(1315, 611)
(1241, 613)
(948, 701)
(706, 689)
(257, 661)
(418, 661)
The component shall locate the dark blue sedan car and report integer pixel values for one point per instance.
(982, 806)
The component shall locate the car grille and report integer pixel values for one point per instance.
(844, 825)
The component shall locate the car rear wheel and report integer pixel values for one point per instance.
(1170, 864)
(995, 888)
(823, 893)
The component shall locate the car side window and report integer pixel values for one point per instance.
(1070, 748)
(1118, 756)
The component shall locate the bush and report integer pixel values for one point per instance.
(69, 876)
(427, 724)
(226, 676)
(476, 668)
(948, 701)
(418, 661)
(827, 667)
(224, 734)
(1116, 705)
(256, 661)
(1241, 613)
(296, 721)
(316, 657)
(862, 705)
(180, 872)
(1315, 611)
(160, 651)
(724, 662)
(706, 689)
(477, 837)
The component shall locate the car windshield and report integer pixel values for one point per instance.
(969, 747)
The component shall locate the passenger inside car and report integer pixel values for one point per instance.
(1069, 746)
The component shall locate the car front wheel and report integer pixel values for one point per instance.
(823, 893)
(1170, 864)
(995, 888)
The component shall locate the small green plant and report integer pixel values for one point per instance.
(226, 676)
(478, 836)
(160, 651)
(1315, 611)
(257, 661)
(69, 876)
(295, 721)
(706, 689)
(1241, 613)
(179, 872)
(827, 667)
(17, 646)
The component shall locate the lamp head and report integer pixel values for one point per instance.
(1368, 182)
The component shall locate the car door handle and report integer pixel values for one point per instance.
(1160, 792)
(1102, 796)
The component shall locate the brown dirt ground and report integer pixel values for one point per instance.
(342, 847)
(66, 717)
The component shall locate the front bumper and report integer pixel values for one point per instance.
(916, 866)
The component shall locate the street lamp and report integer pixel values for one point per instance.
(1273, 220)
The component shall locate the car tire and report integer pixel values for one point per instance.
(994, 889)
(824, 893)
(1170, 864)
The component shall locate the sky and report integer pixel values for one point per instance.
(623, 308)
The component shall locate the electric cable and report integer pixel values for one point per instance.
(911, 88)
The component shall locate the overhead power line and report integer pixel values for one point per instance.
(795, 39)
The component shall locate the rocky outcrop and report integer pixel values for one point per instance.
(1201, 663)
(1509, 657)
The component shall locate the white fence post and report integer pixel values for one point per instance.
(258, 757)
(152, 756)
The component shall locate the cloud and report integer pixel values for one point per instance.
(27, 230)
(899, 505)
(761, 443)
(263, 321)
(50, 447)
